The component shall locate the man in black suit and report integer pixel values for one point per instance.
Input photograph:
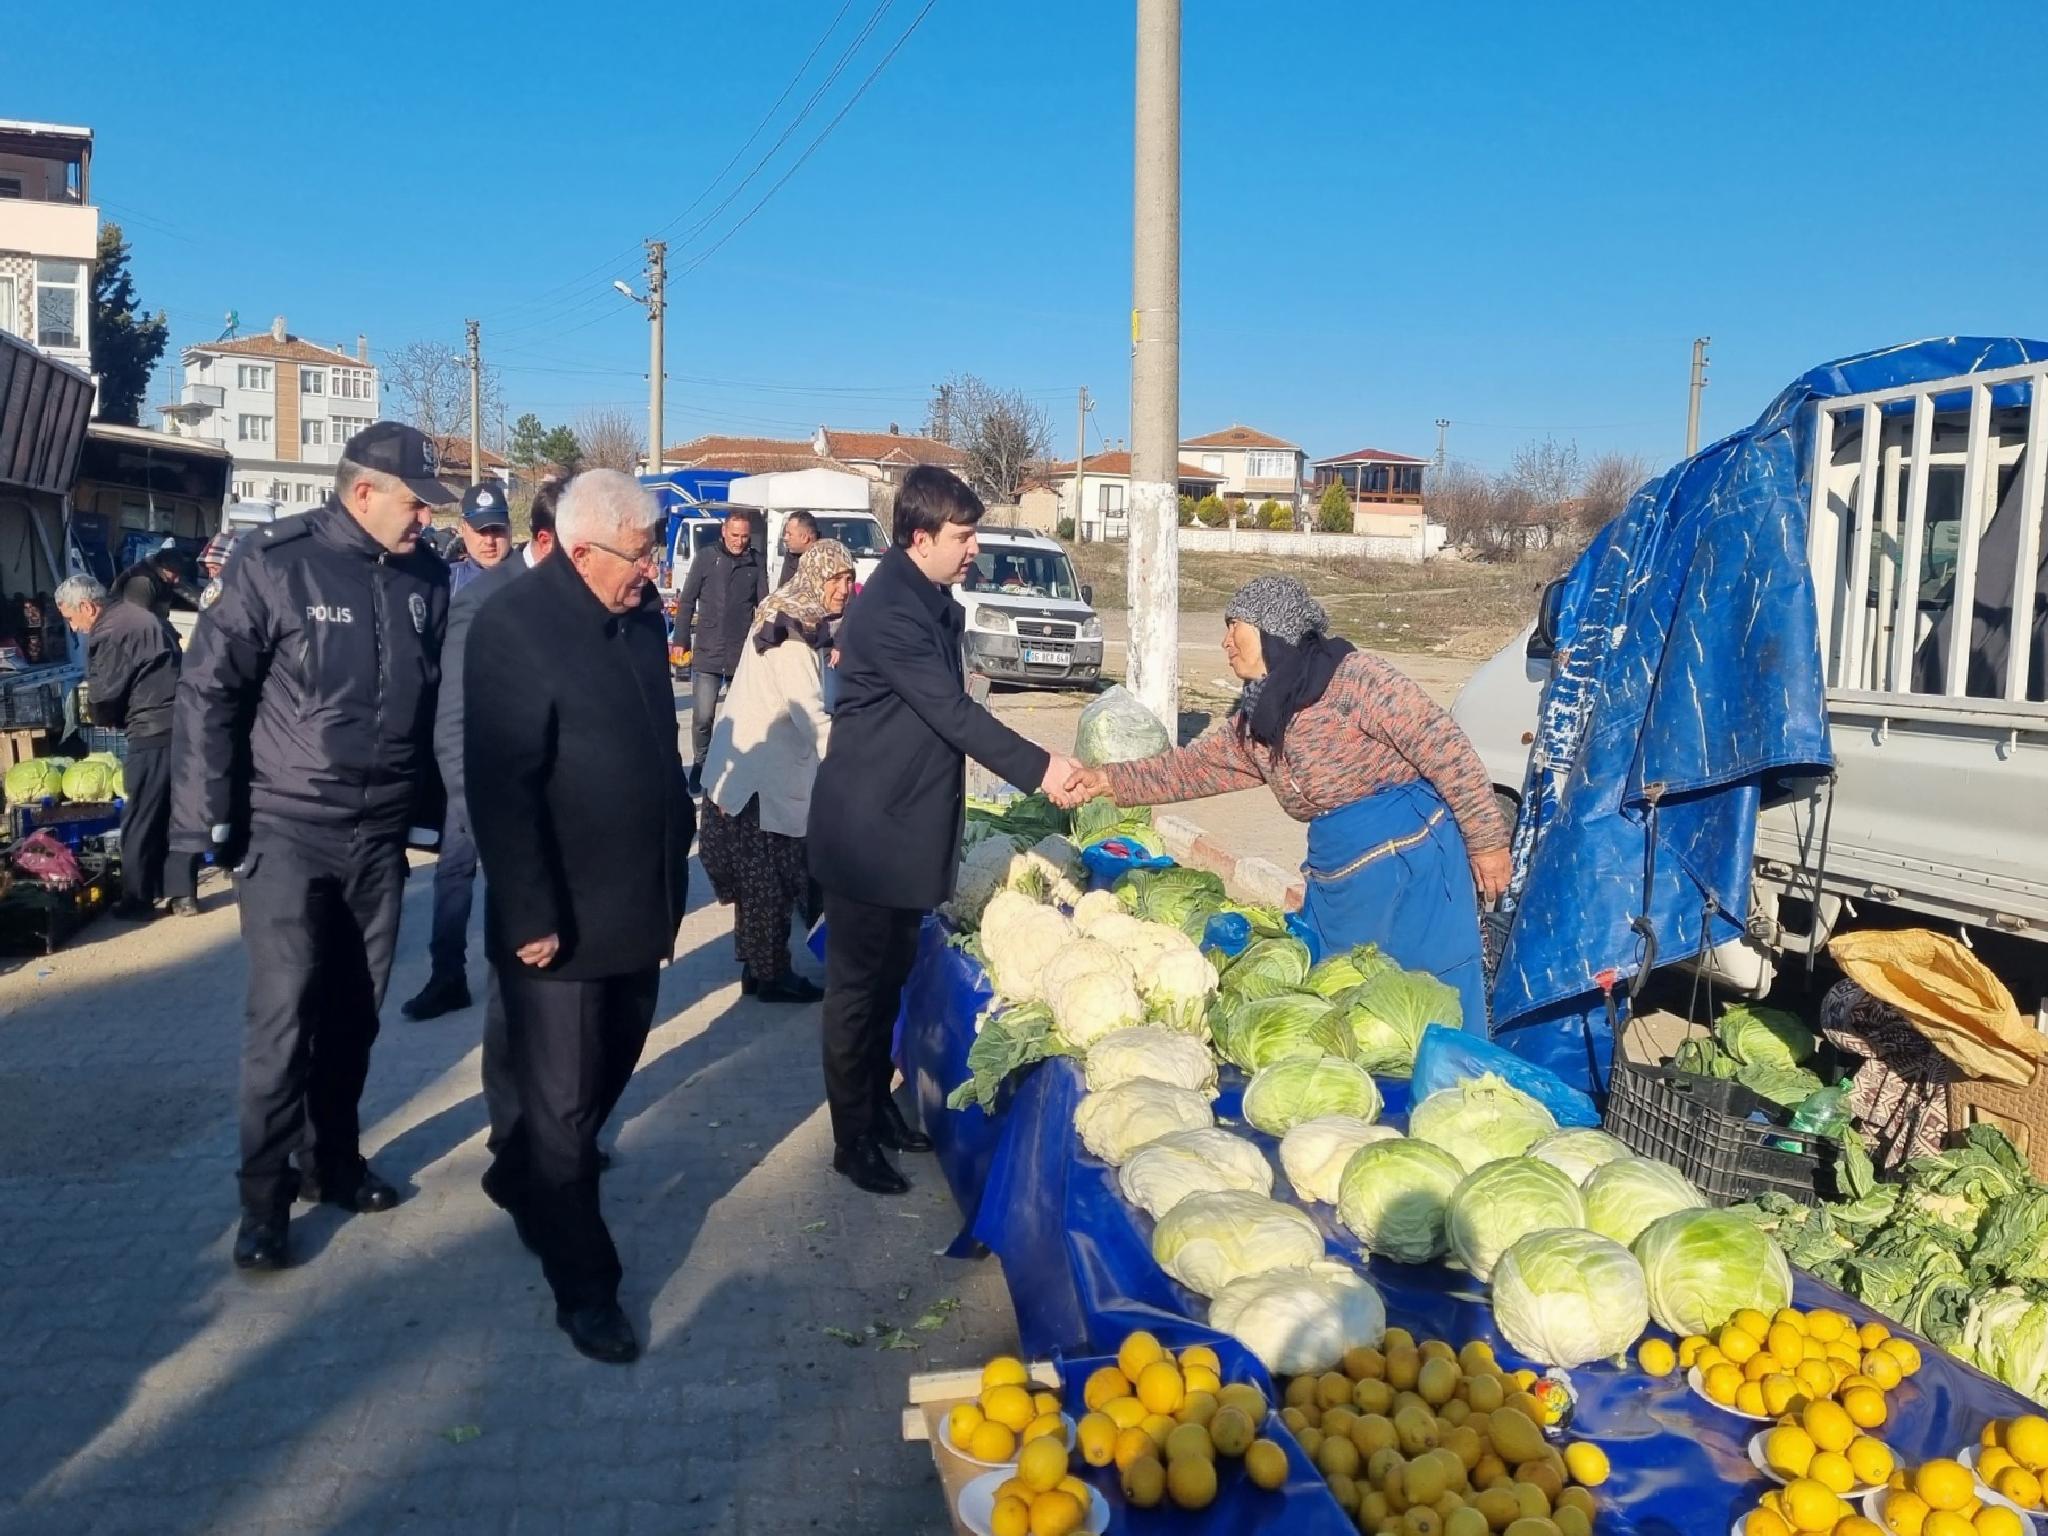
(585, 838)
(890, 799)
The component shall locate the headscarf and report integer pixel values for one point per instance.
(1300, 657)
(797, 607)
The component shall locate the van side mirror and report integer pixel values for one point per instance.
(1543, 638)
(1087, 594)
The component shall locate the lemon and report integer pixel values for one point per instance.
(1944, 1522)
(1825, 1325)
(1047, 1426)
(1078, 1489)
(1131, 1445)
(961, 1424)
(1245, 1398)
(1904, 1511)
(1144, 1482)
(1749, 1399)
(1809, 1506)
(1485, 1393)
(1708, 1358)
(1905, 1352)
(1946, 1485)
(1095, 1437)
(1004, 1371)
(1202, 1355)
(1139, 1350)
(1041, 1464)
(1265, 1464)
(1202, 1378)
(1193, 1440)
(1124, 1412)
(1855, 1379)
(1737, 1346)
(1764, 1522)
(1230, 1431)
(1788, 1450)
(1864, 1406)
(1057, 1513)
(1014, 1487)
(1992, 1435)
(2026, 1437)
(1871, 1460)
(1012, 1517)
(1161, 1389)
(1689, 1349)
(1882, 1367)
(1159, 1427)
(1856, 1525)
(992, 1441)
(1778, 1392)
(1832, 1428)
(1437, 1381)
(1104, 1383)
(1992, 1460)
(1872, 1334)
(1655, 1356)
(1200, 1408)
(1722, 1383)
(1476, 1356)
(1997, 1520)
(1462, 1521)
(1586, 1462)
(1787, 1343)
(2020, 1485)
(1791, 1316)
(1191, 1482)
(1831, 1470)
(1761, 1364)
(1814, 1379)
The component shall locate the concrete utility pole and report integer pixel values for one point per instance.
(657, 306)
(1699, 382)
(476, 403)
(1443, 427)
(1154, 517)
(1080, 456)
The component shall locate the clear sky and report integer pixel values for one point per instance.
(1515, 216)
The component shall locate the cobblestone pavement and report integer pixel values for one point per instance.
(406, 1375)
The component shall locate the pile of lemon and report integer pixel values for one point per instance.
(1941, 1498)
(1769, 1366)
(1821, 1442)
(1165, 1422)
(2012, 1459)
(1007, 1415)
(1422, 1439)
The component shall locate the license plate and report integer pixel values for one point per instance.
(1036, 658)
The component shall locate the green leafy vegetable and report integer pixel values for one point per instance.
(1502, 1201)
(1352, 968)
(1704, 1266)
(1394, 1195)
(1259, 1032)
(1481, 1119)
(1013, 1038)
(1283, 1095)
(1768, 1037)
(1387, 1014)
(1098, 820)
(36, 779)
(1566, 1297)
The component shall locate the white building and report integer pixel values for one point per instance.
(1254, 466)
(1101, 510)
(281, 405)
(49, 238)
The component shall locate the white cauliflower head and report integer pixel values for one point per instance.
(1018, 939)
(1088, 1006)
(1093, 907)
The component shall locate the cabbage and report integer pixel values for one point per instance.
(1565, 1297)
(1258, 1033)
(1101, 819)
(1207, 1241)
(35, 779)
(91, 780)
(1301, 1322)
(1626, 1195)
(1166, 1170)
(1387, 1015)
(2007, 1337)
(1116, 1122)
(1281, 1096)
(1353, 968)
(1164, 1055)
(1314, 1152)
(1177, 896)
(1578, 1152)
(1499, 1202)
(1480, 1119)
(1088, 1006)
(1705, 1266)
(1283, 960)
(1393, 1195)
(1765, 1037)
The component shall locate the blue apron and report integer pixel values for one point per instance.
(1391, 869)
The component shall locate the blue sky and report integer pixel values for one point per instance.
(1513, 216)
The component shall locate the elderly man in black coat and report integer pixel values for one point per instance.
(890, 802)
(585, 839)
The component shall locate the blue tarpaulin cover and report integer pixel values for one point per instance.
(1688, 677)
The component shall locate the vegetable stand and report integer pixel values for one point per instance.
(1078, 1261)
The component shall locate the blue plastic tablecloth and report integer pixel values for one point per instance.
(1077, 1259)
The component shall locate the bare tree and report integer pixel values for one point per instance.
(1609, 482)
(1004, 435)
(1548, 470)
(610, 439)
(430, 381)
(1493, 517)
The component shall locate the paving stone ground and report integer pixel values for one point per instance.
(405, 1375)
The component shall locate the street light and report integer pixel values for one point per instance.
(627, 289)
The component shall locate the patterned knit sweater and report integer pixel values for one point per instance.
(1372, 729)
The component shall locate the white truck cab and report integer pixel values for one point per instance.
(1926, 540)
(839, 502)
(1028, 620)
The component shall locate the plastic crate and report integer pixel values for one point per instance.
(1702, 1127)
(71, 823)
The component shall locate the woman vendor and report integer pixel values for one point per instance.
(1403, 831)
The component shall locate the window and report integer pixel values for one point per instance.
(1024, 572)
(1213, 463)
(311, 431)
(10, 317)
(1376, 479)
(253, 429)
(1109, 500)
(10, 186)
(342, 428)
(312, 382)
(252, 376)
(1408, 480)
(60, 304)
(352, 384)
(1260, 465)
(307, 492)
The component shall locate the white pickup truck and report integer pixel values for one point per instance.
(1926, 540)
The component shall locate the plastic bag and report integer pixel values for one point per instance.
(1448, 1057)
(1117, 728)
(1946, 993)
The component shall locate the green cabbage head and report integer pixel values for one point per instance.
(1765, 1037)
(1704, 1266)
(1255, 1034)
(1393, 1195)
(1281, 1096)
(1565, 1297)
(2007, 1337)
(93, 779)
(35, 779)
(1480, 1120)
(1626, 1195)
(1579, 1151)
(1499, 1202)
(1350, 968)
(1283, 960)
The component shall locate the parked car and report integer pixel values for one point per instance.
(1028, 620)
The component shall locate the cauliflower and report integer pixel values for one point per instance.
(1088, 1006)
(1094, 907)
(1144, 1050)
(1077, 959)
(1116, 1122)
(1145, 944)
(1062, 855)
(1018, 944)
(984, 870)
(1040, 878)
(1177, 986)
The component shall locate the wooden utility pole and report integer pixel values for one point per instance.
(657, 306)
(1699, 382)
(476, 402)
(1080, 457)
(1153, 573)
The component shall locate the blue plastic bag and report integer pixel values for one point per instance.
(1448, 1057)
(1111, 859)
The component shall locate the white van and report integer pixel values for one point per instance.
(839, 502)
(1028, 619)
(1929, 502)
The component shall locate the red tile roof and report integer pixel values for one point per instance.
(1120, 464)
(453, 453)
(890, 447)
(291, 350)
(750, 455)
(1239, 437)
(1370, 456)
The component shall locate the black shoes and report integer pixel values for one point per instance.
(184, 906)
(260, 1242)
(442, 994)
(864, 1164)
(366, 1194)
(787, 988)
(600, 1332)
(895, 1132)
(696, 780)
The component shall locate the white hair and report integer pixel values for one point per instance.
(77, 591)
(602, 504)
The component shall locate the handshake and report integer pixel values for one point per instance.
(1067, 783)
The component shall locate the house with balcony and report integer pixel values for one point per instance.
(1102, 508)
(1385, 490)
(1251, 466)
(885, 456)
(49, 238)
(283, 406)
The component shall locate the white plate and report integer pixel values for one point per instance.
(1873, 1508)
(1756, 1459)
(978, 1505)
(1010, 1465)
(1692, 1379)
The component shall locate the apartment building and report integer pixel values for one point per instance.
(49, 238)
(282, 405)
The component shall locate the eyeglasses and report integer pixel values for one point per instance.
(650, 561)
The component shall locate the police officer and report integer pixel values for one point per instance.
(304, 757)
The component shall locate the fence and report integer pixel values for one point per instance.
(1410, 549)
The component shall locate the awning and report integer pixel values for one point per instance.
(44, 406)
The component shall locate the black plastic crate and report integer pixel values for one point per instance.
(1702, 1127)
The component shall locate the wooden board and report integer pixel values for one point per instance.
(933, 1395)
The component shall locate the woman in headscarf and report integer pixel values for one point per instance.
(1403, 831)
(761, 764)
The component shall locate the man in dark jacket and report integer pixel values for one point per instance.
(585, 837)
(799, 533)
(304, 754)
(888, 808)
(131, 678)
(713, 613)
(158, 582)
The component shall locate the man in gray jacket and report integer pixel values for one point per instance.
(713, 614)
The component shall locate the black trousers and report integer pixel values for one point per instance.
(146, 822)
(319, 921)
(573, 1046)
(454, 892)
(868, 955)
(501, 1089)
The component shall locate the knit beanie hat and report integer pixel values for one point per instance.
(1280, 606)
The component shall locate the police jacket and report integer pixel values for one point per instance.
(716, 608)
(308, 695)
(131, 672)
